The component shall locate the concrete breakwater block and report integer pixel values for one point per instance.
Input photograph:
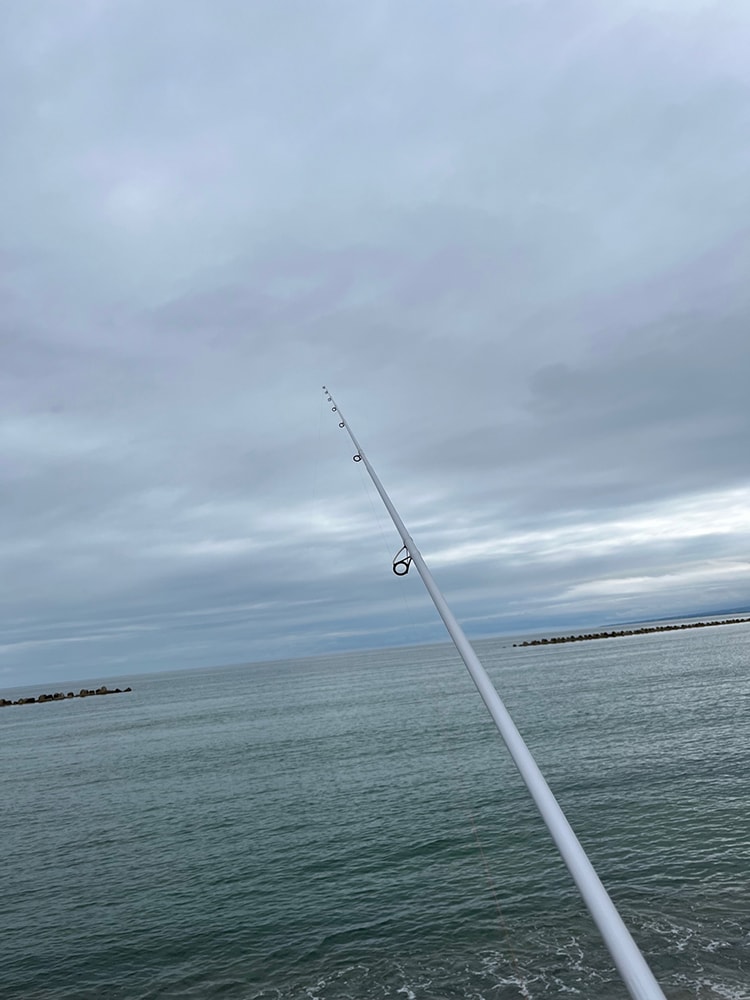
(644, 630)
(59, 696)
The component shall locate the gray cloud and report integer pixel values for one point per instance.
(513, 241)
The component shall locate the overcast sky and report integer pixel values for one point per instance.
(513, 238)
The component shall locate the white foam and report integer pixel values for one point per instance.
(713, 946)
(722, 990)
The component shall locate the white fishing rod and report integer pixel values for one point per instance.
(630, 963)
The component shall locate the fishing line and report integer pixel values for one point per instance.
(377, 514)
(316, 467)
(442, 711)
(463, 799)
(384, 535)
(505, 930)
(505, 942)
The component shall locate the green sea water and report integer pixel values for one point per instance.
(352, 827)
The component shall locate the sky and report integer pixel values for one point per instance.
(513, 239)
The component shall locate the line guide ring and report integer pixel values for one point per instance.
(401, 565)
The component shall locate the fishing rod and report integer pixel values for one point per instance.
(630, 963)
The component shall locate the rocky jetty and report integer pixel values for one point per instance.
(59, 696)
(644, 630)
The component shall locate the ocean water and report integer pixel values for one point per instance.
(352, 827)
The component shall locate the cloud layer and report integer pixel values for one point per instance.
(514, 241)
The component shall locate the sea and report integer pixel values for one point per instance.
(350, 827)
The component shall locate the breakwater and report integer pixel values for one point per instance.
(60, 696)
(643, 630)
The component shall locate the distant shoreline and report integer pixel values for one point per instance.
(645, 630)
